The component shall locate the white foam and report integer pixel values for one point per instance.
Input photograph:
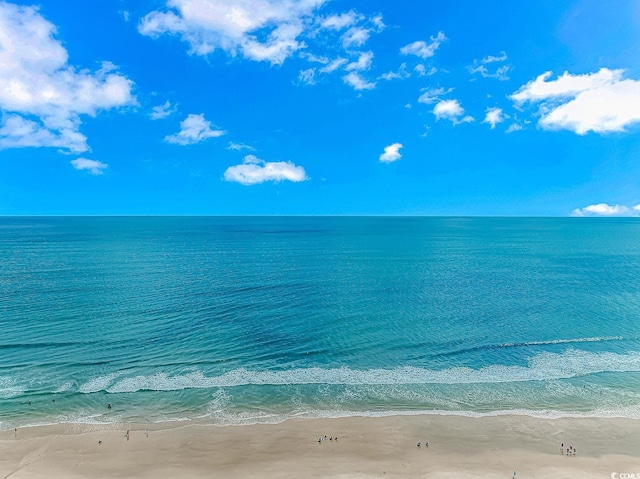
(65, 387)
(541, 367)
(100, 383)
(8, 388)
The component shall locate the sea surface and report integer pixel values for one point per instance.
(235, 320)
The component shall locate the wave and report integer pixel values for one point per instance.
(249, 418)
(541, 367)
(526, 344)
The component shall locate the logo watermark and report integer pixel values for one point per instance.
(625, 475)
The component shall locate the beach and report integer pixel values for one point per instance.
(376, 447)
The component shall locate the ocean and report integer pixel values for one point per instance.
(237, 320)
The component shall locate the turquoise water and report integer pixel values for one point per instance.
(241, 320)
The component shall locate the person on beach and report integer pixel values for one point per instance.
(418, 444)
(127, 434)
(108, 405)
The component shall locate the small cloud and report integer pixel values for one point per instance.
(514, 127)
(125, 15)
(391, 153)
(378, 22)
(400, 74)
(423, 49)
(94, 167)
(432, 95)
(480, 66)
(239, 147)
(363, 62)
(333, 65)
(253, 171)
(162, 111)
(421, 70)
(194, 129)
(604, 209)
(354, 80)
(494, 116)
(355, 37)
(307, 76)
(452, 111)
(338, 22)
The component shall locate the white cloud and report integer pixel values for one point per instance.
(391, 153)
(452, 111)
(338, 22)
(42, 97)
(194, 129)
(423, 49)
(253, 170)
(261, 30)
(421, 70)
(604, 209)
(333, 65)
(514, 127)
(601, 102)
(432, 95)
(378, 22)
(162, 111)
(500, 73)
(494, 116)
(355, 37)
(363, 62)
(239, 146)
(357, 82)
(307, 76)
(94, 167)
(400, 74)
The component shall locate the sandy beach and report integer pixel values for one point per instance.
(460, 447)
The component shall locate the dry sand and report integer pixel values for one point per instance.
(386, 447)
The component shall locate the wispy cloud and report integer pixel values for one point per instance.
(253, 171)
(93, 167)
(162, 111)
(239, 146)
(308, 76)
(363, 62)
(421, 70)
(423, 49)
(397, 75)
(601, 102)
(500, 73)
(432, 95)
(355, 37)
(341, 21)
(357, 82)
(194, 129)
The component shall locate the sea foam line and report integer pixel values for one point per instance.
(541, 367)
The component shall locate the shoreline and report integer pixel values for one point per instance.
(628, 413)
(367, 447)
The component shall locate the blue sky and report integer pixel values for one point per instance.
(220, 107)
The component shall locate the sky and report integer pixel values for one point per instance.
(320, 107)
